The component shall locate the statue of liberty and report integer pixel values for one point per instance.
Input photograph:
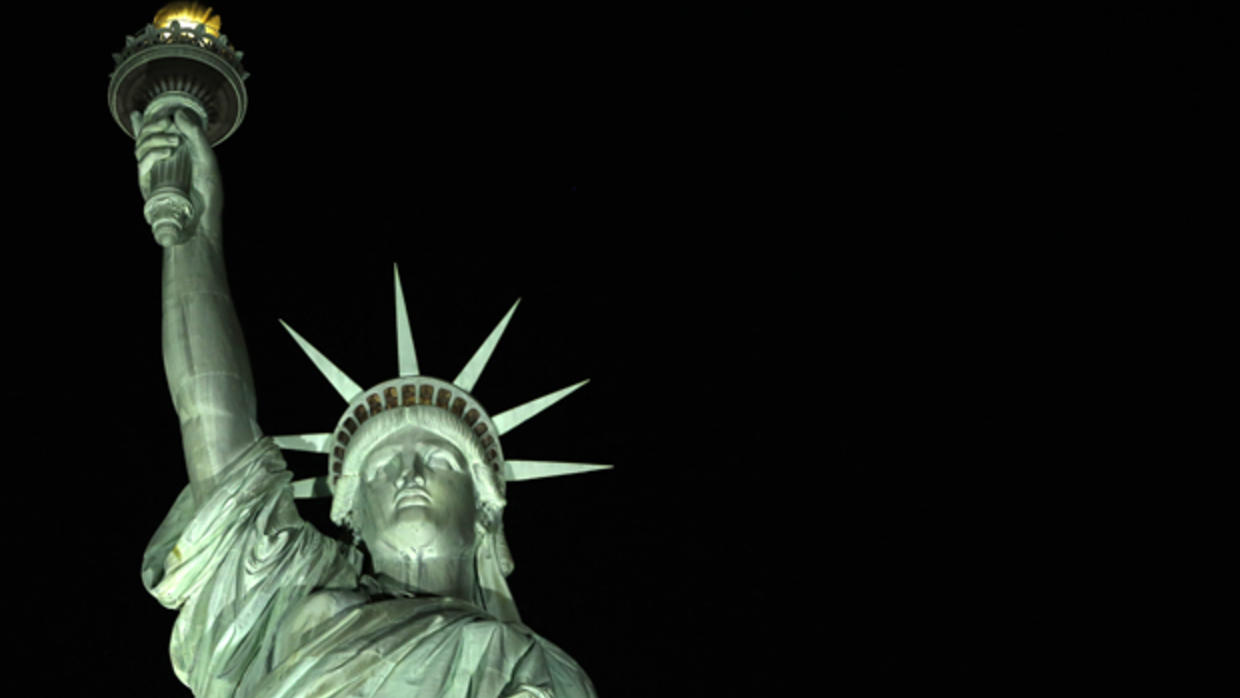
(267, 605)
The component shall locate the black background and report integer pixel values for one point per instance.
(820, 430)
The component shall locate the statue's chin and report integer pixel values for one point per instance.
(412, 522)
(421, 527)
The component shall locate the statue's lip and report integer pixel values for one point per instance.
(410, 492)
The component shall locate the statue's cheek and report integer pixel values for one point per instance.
(371, 504)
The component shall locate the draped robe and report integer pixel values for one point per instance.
(237, 565)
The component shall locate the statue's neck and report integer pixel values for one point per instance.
(420, 572)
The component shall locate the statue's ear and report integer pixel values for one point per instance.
(478, 472)
(357, 517)
(490, 500)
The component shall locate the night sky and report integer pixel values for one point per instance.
(805, 438)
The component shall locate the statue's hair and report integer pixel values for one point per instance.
(488, 488)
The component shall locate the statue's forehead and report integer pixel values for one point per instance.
(411, 436)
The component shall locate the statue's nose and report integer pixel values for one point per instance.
(414, 474)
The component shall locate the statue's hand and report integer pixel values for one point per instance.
(157, 139)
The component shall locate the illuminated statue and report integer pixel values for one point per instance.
(269, 606)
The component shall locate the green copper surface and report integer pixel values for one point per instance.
(284, 609)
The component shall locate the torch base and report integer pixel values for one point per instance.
(183, 69)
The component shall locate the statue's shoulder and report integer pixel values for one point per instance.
(568, 677)
(307, 613)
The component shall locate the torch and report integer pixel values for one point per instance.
(179, 61)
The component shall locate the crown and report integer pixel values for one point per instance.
(412, 389)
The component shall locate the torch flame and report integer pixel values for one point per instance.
(189, 15)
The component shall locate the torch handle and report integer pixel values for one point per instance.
(168, 209)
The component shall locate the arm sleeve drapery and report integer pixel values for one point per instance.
(233, 567)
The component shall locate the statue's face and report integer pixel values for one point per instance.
(416, 492)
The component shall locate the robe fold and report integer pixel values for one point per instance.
(236, 565)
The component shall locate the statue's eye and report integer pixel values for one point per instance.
(440, 459)
(386, 469)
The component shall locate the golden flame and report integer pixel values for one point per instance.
(189, 15)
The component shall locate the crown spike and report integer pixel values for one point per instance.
(406, 357)
(311, 488)
(538, 469)
(469, 375)
(510, 419)
(344, 385)
(314, 443)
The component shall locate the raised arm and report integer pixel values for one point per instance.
(205, 358)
